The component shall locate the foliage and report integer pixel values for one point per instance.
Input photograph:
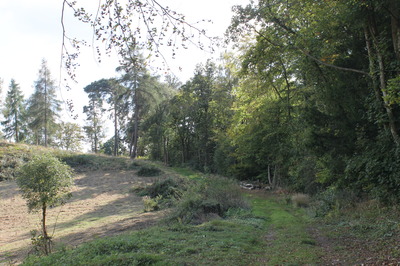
(156, 26)
(167, 188)
(44, 182)
(146, 170)
(218, 242)
(14, 113)
(151, 204)
(300, 200)
(9, 166)
(211, 197)
(69, 136)
(43, 108)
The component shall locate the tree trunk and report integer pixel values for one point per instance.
(45, 109)
(394, 7)
(165, 146)
(135, 127)
(16, 128)
(115, 152)
(269, 176)
(46, 238)
(373, 33)
(95, 128)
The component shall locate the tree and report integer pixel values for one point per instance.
(113, 93)
(43, 107)
(14, 112)
(1, 87)
(45, 181)
(70, 136)
(94, 124)
(144, 93)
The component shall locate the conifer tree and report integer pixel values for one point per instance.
(43, 107)
(13, 113)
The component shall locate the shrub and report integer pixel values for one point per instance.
(162, 193)
(44, 182)
(9, 166)
(151, 204)
(149, 171)
(167, 188)
(211, 198)
(332, 200)
(134, 165)
(300, 200)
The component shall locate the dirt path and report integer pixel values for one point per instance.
(101, 205)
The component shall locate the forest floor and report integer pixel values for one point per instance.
(101, 205)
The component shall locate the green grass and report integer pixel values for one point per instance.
(289, 241)
(219, 242)
(188, 173)
(271, 233)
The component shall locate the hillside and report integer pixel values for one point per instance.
(104, 223)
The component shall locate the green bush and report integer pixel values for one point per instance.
(331, 201)
(134, 165)
(300, 200)
(211, 198)
(9, 166)
(149, 171)
(167, 188)
(151, 204)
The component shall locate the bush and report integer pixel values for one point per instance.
(151, 204)
(167, 188)
(209, 199)
(44, 182)
(331, 201)
(162, 193)
(149, 171)
(9, 166)
(300, 200)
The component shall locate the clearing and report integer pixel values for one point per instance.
(101, 205)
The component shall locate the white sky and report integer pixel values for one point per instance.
(31, 30)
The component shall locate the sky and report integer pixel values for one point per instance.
(31, 31)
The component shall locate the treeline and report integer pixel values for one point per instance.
(37, 120)
(309, 100)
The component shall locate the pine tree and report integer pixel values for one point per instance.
(94, 126)
(13, 113)
(43, 107)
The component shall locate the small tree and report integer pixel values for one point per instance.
(45, 181)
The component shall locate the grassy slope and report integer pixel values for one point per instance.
(269, 236)
(273, 233)
(245, 237)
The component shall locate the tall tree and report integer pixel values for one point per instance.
(94, 124)
(144, 92)
(14, 111)
(43, 107)
(113, 93)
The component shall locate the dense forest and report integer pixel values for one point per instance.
(307, 100)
